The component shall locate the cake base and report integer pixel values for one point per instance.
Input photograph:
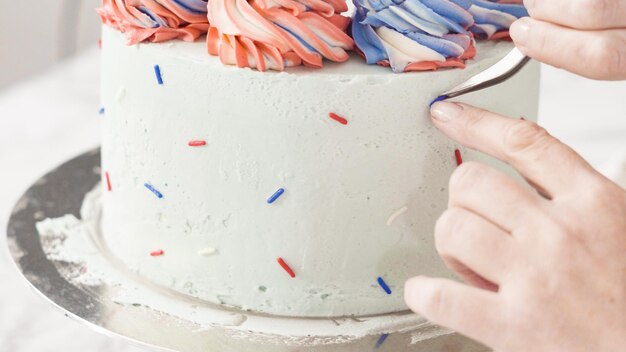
(63, 259)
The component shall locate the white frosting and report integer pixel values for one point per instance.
(264, 131)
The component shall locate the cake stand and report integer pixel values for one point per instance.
(53, 238)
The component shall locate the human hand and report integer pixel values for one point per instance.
(587, 37)
(546, 269)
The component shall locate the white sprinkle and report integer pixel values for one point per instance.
(121, 93)
(205, 252)
(397, 213)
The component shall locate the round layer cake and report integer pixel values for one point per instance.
(307, 192)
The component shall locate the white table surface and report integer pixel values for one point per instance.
(53, 117)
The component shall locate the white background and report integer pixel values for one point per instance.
(48, 114)
(34, 34)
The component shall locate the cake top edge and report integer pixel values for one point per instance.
(405, 35)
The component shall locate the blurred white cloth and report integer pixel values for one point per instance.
(47, 120)
(588, 115)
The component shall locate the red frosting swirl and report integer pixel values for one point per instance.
(274, 34)
(156, 20)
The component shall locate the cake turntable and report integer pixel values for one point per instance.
(53, 239)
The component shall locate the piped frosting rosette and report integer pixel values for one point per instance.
(156, 20)
(274, 34)
(413, 35)
(492, 19)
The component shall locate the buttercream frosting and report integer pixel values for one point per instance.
(274, 34)
(413, 35)
(156, 20)
(408, 35)
(417, 35)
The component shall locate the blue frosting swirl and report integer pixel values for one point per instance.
(403, 33)
(492, 17)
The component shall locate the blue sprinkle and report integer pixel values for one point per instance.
(439, 98)
(101, 111)
(153, 190)
(157, 71)
(275, 196)
(381, 340)
(383, 284)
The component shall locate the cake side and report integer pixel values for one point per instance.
(360, 196)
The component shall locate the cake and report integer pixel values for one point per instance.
(302, 185)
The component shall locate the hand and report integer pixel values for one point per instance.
(587, 37)
(546, 268)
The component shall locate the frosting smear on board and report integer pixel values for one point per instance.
(408, 35)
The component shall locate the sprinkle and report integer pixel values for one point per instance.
(108, 179)
(338, 118)
(275, 196)
(459, 158)
(522, 118)
(205, 252)
(381, 340)
(101, 111)
(397, 213)
(285, 266)
(157, 253)
(439, 98)
(153, 190)
(121, 93)
(383, 284)
(157, 72)
(99, 43)
(197, 143)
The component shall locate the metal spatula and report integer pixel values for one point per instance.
(498, 73)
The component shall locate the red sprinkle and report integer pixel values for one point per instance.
(286, 267)
(338, 118)
(457, 155)
(157, 253)
(197, 143)
(106, 175)
(100, 43)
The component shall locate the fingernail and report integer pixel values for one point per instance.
(519, 32)
(445, 111)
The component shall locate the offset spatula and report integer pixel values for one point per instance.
(498, 73)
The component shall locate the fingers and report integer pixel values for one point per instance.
(471, 311)
(593, 54)
(470, 276)
(539, 157)
(582, 14)
(494, 196)
(468, 241)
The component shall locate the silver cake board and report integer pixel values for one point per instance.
(170, 321)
